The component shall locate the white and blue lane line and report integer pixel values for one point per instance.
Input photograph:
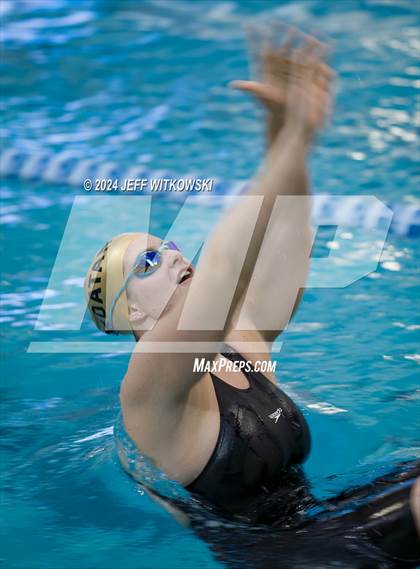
(69, 168)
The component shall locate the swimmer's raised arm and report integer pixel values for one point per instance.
(280, 275)
(283, 175)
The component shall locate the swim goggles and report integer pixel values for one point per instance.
(145, 265)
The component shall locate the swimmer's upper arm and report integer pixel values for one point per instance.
(278, 283)
(157, 372)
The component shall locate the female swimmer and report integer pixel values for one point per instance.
(233, 439)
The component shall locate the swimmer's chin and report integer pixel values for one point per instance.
(179, 294)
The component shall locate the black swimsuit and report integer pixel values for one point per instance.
(262, 436)
(253, 476)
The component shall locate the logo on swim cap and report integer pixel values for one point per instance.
(102, 283)
(95, 288)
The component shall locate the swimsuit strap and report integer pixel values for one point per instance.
(250, 374)
(254, 377)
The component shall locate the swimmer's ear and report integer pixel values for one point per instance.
(137, 316)
(140, 320)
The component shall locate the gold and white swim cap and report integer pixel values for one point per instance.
(103, 280)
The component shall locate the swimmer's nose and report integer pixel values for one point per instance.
(174, 258)
(174, 263)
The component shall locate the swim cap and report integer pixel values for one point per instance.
(103, 280)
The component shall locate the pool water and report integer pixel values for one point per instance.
(148, 86)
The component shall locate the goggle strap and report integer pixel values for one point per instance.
(109, 325)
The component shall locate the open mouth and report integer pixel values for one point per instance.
(187, 275)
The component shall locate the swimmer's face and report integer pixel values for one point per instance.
(149, 296)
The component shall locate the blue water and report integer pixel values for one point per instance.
(146, 85)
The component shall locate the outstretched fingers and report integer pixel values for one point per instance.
(286, 47)
(308, 97)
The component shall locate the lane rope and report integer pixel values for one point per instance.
(68, 167)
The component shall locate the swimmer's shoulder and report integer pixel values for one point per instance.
(164, 428)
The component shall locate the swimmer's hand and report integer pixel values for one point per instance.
(287, 70)
(309, 90)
